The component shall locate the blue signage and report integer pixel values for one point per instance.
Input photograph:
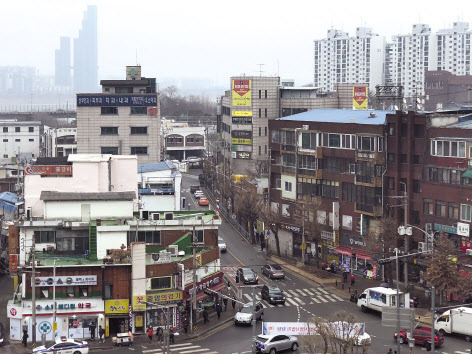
(445, 228)
(116, 100)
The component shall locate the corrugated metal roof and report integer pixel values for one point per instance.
(52, 195)
(9, 197)
(155, 166)
(467, 124)
(340, 116)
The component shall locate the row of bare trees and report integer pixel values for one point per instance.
(174, 103)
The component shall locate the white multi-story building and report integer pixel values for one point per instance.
(343, 59)
(453, 49)
(408, 57)
(25, 139)
(63, 141)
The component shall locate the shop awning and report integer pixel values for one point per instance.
(218, 287)
(467, 173)
(348, 251)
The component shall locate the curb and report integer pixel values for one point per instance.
(220, 324)
(302, 272)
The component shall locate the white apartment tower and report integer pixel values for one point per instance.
(343, 59)
(408, 57)
(453, 49)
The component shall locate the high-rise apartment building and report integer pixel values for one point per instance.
(86, 53)
(343, 59)
(122, 120)
(62, 63)
(453, 49)
(408, 57)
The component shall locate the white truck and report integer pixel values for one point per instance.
(458, 320)
(376, 298)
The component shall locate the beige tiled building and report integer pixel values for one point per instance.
(124, 119)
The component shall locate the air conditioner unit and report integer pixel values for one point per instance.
(174, 250)
(468, 252)
(169, 216)
(422, 247)
(305, 127)
(67, 224)
(156, 216)
(198, 217)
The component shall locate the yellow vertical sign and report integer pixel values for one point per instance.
(241, 92)
(359, 97)
(107, 327)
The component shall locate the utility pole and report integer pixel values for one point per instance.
(194, 284)
(33, 298)
(303, 238)
(254, 321)
(54, 323)
(433, 294)
(398, 303)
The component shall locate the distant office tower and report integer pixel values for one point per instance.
(408, 57)
(62, 63)
(17, 80)
(453, 49)
(343, 59)
(86, 53)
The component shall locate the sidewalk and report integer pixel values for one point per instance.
(202, 329)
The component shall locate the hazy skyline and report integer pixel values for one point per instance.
(208, 39)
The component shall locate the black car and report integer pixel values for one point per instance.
(193, 189)
(246, 276)
(272, 294)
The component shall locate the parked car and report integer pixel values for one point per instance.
(193, 189)
(221, 244)
(198, 194)
(273, 271)
(422, 336)
(70, 345)
(244, 315)
(203, 201)
(275, 343)
(272, 294)
(2, 335)
(246, 276)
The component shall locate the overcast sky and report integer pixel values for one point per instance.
(208, 38)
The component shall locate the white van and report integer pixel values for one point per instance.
(458, 320)
(376, 298)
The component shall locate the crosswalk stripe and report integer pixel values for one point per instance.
(212, 353)
(180, 345)
(322, 299)
(337, 297)
(291, 301)
(298, 300)
(301, 292)
(194, 347)
(308, 292)
(266, 304)
(292, 292)
(248, 297)
(330, 298)
(194, 351)
(152, 351)
(323, 290)
(316, 300)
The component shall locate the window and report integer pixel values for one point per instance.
(308, 140)
(403, 158)
(265, 131)
(111, 150)
(415, 217)
(260, 131)
(161, 283)
(365, 143)
(17, 140)
(416, 186)
(44, 236)
(149, 236)
(43, 294)
(440, 208)
(391, 183)
(138, 110)
(349, 192)
(265, 94)
(453, 211)
(109, 130)
(83, 291)
(108, 291)
(265, 112)
(109, 110)
(260, 113)
(288, 186)
(5, 140)
(417, 159)
(5, 156)
(32, 140)
(17, 129)
(260, 94)
(278, 183)
(199, 236)
(330, 189)
(391, 157)
(419, 130)
(265, 149)
(260, 149)
(391, 128)
(70, 291)
(403, 130)
(5, 129)
(448, 148)
(465, 212)
(139, 150)
(428, 206)
(31, 129)
(334, 140)
(138, 130)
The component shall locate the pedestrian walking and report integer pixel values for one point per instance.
(390, 351)
(257, 237)
(150, 332)
(171, 335)
(92, 330)
(352, 279)
(25, 337)
(160, 334)
(262, 245)
(344, 277)
(185, 324)
(233, 302)
(218, 310)
(205, 316)
(225, 302)
(101, 334)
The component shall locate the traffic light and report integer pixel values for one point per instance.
(384, 261)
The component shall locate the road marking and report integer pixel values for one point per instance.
(322, 290)
(231, 253)
(337, 297)
(194, 351)
(292, 293)
(330, 298)
(298, 300)
(322, 299)
(301, 292)
(191, 347)
(152, 351)
(180, 345)
(291, 301)
(308, 292)
(316, 300)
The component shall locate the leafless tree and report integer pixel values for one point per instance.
(120, 255)
(248, 206)
(309, 211)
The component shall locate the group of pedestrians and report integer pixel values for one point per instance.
(160, 334)
(219, 308)
(260, 239)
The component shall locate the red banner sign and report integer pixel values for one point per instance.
(63, 170)
(13, 262)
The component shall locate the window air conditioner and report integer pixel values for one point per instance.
(169, 216)
(305, 127)
(155, 216)
(174, 250)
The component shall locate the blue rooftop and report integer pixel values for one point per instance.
(155, 166)
(340, 116)
(9, 197)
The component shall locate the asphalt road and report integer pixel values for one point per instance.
(305, 299)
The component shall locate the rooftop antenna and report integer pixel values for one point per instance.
(278, 74)
(137, 57)
(260, 69)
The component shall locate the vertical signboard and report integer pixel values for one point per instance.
(359, 97)
(241, 92)
(335, 216)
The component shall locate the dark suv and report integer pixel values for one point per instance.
(272, 294)
(193, 189)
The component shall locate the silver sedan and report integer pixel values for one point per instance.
(275, 343)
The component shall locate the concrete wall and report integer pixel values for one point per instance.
(110, 237)
(99, 209)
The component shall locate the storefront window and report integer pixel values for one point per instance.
(161, 283)
(70, 291)
(83, 291)
(79, 326)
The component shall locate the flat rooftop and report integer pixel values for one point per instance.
(351, 116)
